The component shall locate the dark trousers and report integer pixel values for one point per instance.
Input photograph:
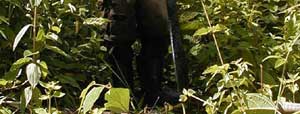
(148, 19)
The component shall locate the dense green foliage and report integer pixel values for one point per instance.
(50, 50)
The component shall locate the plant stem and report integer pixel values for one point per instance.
(49, 105)
(281, 89)
(34, 33)
(261, 76)
(213, 34)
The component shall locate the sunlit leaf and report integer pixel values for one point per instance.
(28, 95)
(91, 98)
(279, 62)
(58, 94)
(44, 97)
(14, 69)
(40, 111)
(84, 91)
(258, 104)
(33, 73)
(202, 31)
(20, 35)
(40, 36)
(186, 16)
(218, 27)
(3, 82)
(28, 53)
(56, 29)
(117, 100)
(95, 21)
(44, 69)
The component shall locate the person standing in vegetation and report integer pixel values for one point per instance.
(148, 21)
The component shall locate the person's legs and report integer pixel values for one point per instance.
(153, 26)
(120, 36)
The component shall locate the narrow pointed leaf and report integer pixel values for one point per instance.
(28, 95)
(20, 35)
(3, 35)
(57, 50)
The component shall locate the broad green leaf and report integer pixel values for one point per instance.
(28, 53)
(258, 104)
(218, 28)
(44, 97)
(28, 95)
(57, 50)
(33, 73)
(40, 36)
(40, 111)
(279, 62)
(191, 26)
(117, 100)
(58, 94)
(202, 31)
(14, 69)
(91, 98)
(20, 35)
(211, 70)
(187, 16)
(259, 101)
(83, 93)
(44, 69)
(3, 82)
(56, 29)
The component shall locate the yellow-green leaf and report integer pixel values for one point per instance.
(117, 100)
(91, 98)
